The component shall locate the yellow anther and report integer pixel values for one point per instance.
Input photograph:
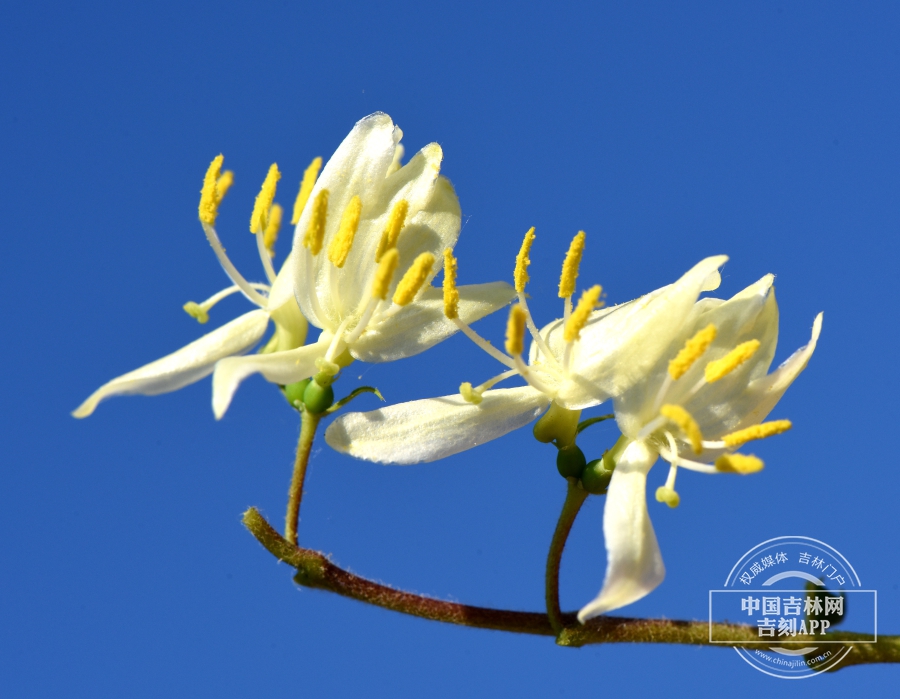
(571, 265)
(315, 231)
(469, 394)
(582, 313)
(195, 310)
(761, 431)
(273, 225)
(414, 278)
(522, 261)
(686, 422)
(668, 496)
(385, 273)
(739, 463)
(209, 195)
(692, 351)
(451, 294)
(259, 219)
(392, 231)
(306, 187)
(720, 368)
(223, 184)
(515, 331)
(340, 245)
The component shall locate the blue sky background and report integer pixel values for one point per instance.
(767, 131)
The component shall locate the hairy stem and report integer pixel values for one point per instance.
(316, 571)
(308, 424)
(575, 497)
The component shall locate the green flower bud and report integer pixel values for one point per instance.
(595, 477)
(294, 392)
(318, 398)
(570, 461)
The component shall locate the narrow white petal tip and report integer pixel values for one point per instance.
(88, 407)
(634, 563)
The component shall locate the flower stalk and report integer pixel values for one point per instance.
(309, 422)
(575, 497)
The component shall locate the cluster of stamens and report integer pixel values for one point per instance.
(520, 319)
(675, 419)
(265, 223)
(375, 307)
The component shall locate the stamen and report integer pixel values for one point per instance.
(315, 232)
(392, 231)
(579, 317)
(686, 422)
(451, 293)
(469, 394)
(276, 213)
(485, 345)
(223, 184)
(691, 352)
(571, 265)
(522, 261)
(248, 289)
(195, 310)
(414, 278)
(340, 245)
(259, 217)
(536, 334)
(761, 431)
(200, 311)
(668, 496)
(720, 368)
(209, 195)
(739, 463)
(515, 331)
(681, 462)
(385, 274)
(306, 187)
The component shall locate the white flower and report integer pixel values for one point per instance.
(693, 413)
(363, 259)
(196, 360)
(575, 362)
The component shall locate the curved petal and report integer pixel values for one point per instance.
(189, 364)
(422, 324)
(750, 314)
(617, 350)
(278, 367)
(432, 224)
(360, 163)
(634, 565)
(434, 428)
(762, 395)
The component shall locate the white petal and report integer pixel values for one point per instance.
(422, 324)
(634, 565)
(278, 367)
(762, 394)
(618, 349)
(751, 314)
(189, 364)
(432, 224)
(358, 167)
(434, 428)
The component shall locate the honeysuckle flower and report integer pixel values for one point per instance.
(274, 300)
(575, 362)
(704, 398)
(363, 259)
